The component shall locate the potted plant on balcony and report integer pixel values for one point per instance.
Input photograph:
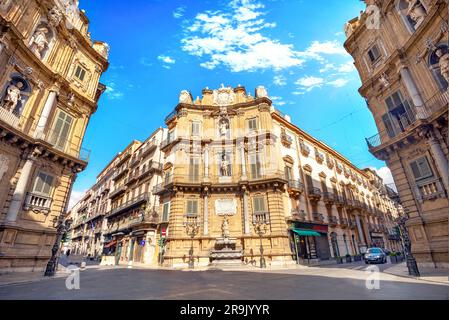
(348, 258)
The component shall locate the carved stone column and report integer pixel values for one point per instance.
(48, 107)
(246, 229)
(206, 212)
(242, 158)
(414, 93)
(20, 189)
(206, 161)
(440, 159)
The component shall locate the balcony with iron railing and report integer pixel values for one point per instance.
(12, 118)
(340, 201)
(328, 198)
(128, 205)
(314, 193)
(119, 172)
(333, 221)
(295, 186)
(298, 215)
(344, 223)
(152, 145)
(62, 144)
(434, 105)
(37, 202)
(118, 190)
(318, 217)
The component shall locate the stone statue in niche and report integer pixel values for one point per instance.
(224, 168)
(223, 127)
(185, 97)
(384, 80)
(443, 61)
(4, 161)
(13, 96)
(225, 228)
(416, 11)
(39, 41)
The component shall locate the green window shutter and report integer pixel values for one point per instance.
(421, 168)
(166, 211)
(388, 125)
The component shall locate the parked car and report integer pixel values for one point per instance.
(376, 255)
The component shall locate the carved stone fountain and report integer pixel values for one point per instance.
(225, 252)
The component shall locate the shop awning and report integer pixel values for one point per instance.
(110, 244)
(304, 232)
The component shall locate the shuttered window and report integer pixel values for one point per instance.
(421, 168)
(194, 169)
(374, 53)
(195, 128)
(80, 72)
(61, 130)
(252, 124)
(259, 205)
(192, 207)
(255, 166)
(43, 183)
(309, 181)
(288, 173)
(166, 212)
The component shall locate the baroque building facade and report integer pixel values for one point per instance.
(49, 88)
(401, 52)
(118, 218)
(241, 182)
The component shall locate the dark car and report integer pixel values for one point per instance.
(375, 255)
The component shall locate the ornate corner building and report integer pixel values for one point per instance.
(49, 88)
(401, 52)
(242, 183)
(119, 217)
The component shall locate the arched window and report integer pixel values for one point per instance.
(437, 60)
(412, 13)
(42, 40)
(15, 94)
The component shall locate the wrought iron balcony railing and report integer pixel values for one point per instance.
(129, 204)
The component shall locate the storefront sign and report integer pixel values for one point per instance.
(312, 226)
(225, 207)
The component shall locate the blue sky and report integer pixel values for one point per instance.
(160, 47)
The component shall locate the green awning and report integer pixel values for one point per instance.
(303, 232)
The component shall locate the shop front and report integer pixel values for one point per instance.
(309, 242)
(377, 240)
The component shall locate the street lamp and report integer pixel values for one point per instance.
(192, 226)
(261, 227)
(62, 227)
(411, 262)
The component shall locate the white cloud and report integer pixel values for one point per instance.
(278, 100)
(75, 197)
(279, 80)
(144, 61)
(233, 38)
(347, 67)
(338, 83)
(308, 83)
(111, 92)
(166, 59)
(327, 48)
(179, 12)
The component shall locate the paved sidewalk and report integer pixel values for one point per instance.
(7, 279)
(427, 274)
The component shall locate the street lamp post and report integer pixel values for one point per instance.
(192, 229)
(411, 262)
(260, 227)
(62, 227)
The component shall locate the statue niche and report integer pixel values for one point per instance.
(439, 65)
(223, 128)
(41, 40)
(225, 166)
(15, 94)
(413, 13)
